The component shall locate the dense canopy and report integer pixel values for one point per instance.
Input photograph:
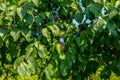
(59, 39)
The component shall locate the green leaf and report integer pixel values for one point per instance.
(34, 53)
(15, 33)
(91, 35)
(29, 71)
(69, 60)
(8, 57)
(112, 29)
(99, 25)
(38, 20)
(28, 18)
(32, 64)
(49, 72)
(82, 66)
(23, 12)
(22, 69)
(115, 66)
(26, 33)
(17, 62)
(62, 56)
(2, 7)
(63, 69)
(89, 14)
(96, 10)
(46, 33)
(35, 2)
(117, 4)
(91, 67)
(1, 42)
(10, 13)
(41, 52)
(29, 50)
(3, 32)
(72, 50)
(12, 8)
(58, 48)
(98, 1)
(81, 59)
(51, 16)
(28, 6)
(82, 41)
(67, 35)
(20, 2)
(113, 13)
(55, 30)
(40, 49)
(79, 17)
(42, 15)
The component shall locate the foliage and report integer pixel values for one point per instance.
(39, 40)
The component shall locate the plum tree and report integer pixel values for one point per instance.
(59, 39)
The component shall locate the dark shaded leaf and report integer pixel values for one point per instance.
(3, 32)
(28, 18)
(63, 69)
(1, 42)
(96, 9)
(79, 17)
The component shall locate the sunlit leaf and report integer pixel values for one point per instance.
(2, 6)
(113, 13)
(40, 50)
(117, 4)
(22, 69)
(12, 8)
(90, 51)
(15, 33)
(98, 1)
(29, 71)
(49, 72)
(58, 48)
(46, 33)
(99, 25)
(54, 29)
(35, 2)
(17, 62)
(32, 64)
(29, 50)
